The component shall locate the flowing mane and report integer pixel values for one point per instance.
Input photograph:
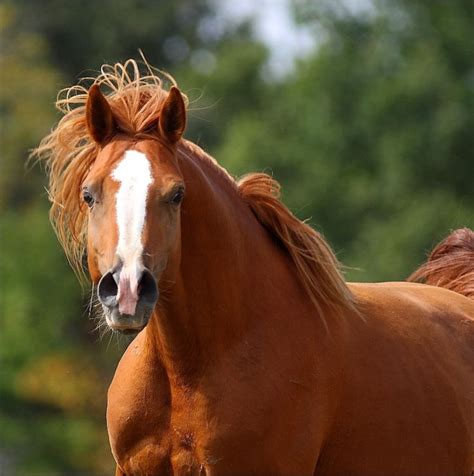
(318, 267)
(136, 99)
(451, 264)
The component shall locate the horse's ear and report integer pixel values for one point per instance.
(172, 120)
(99, 117)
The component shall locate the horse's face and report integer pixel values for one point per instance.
(134, 192)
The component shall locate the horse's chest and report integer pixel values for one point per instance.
(158, 428)
(170, 448)
(178, 439)
(152, 429)
(156, 459)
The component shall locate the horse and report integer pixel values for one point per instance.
(252, 355)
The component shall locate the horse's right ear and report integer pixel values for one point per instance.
(172, 121)
(99, 118)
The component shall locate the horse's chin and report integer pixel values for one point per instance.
(130, 332)
(125, 324)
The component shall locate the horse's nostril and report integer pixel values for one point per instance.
(107, 290)
(147, 288)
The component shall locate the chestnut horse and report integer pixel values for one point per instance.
(253, 355)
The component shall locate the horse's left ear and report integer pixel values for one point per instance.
(99, 118)
(172, 120)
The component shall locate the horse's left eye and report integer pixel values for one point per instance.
(88, 198)
(177, 197)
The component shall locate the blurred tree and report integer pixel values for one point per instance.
(371, 136)
(42, 330)
(83, 36)
(233, 87)
(29, 86)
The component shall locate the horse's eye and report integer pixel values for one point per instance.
(88, 198)
(177, 198)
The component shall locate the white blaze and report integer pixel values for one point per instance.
(134, 174)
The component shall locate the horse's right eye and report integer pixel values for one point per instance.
(88, 198)
(178, 196)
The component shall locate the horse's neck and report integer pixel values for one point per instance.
(229, 272)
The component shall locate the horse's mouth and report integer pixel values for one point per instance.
(126, 329)
(130, 332)
(127, 325)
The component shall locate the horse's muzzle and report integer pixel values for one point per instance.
(127, 305)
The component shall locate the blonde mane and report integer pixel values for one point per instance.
(68, 151)
(136, 99)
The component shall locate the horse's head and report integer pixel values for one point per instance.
(134, 191)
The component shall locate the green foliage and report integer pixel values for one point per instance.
(83, 36)
(233, 88)
(54, 380)
(28, 89)
(370, 136)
